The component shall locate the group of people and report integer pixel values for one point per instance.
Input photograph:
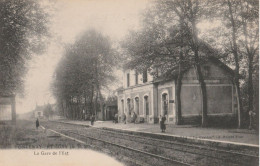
(162, 120)
(133, 118)
(116, 118)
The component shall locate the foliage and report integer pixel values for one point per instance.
(48, 110)
(170, 30)
(238, 39)
(22, 30)
(86, 67)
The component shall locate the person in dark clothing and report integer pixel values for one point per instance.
(162, 123)
(116, 118)
(92, 119)
(124, 118)
(134, 117)
(37, 123)
(251, 118)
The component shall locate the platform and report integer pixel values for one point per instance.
(243, 137)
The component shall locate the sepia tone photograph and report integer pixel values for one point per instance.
(129, 82)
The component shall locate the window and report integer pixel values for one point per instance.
(136, 77)
(165, 104)
(206, 70)
(128, 79)
(145, 76)
(146, 105)
(137, 105)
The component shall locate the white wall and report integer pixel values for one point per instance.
(132, 78)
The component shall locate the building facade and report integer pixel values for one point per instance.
(38, 112)
(149, 98)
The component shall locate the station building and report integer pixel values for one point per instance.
(149, 97)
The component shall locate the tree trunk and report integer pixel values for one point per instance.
(96, 104)
(101, 104)
(235, 53)
(204, 120)
(195, 48)
(178, 92)
(250, 83)
(91, 99)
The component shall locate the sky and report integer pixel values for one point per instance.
(69, 19)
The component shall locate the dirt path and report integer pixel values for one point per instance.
(25, 136)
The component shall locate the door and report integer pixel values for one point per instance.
(165, 105)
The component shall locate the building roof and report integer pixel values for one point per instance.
(173, 74)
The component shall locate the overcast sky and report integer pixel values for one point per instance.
(69, 19)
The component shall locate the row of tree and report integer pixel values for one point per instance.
(85, 68)
(171, 40)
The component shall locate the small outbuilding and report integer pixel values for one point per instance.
(38, 112)
(111, 108)
(7, 109)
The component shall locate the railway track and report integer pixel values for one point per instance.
(167, 152)
(217, 157)
(225, 155)
(165, 160)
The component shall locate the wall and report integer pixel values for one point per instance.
(138, 91)
(219, 99)
(132, 74)
(221, 93)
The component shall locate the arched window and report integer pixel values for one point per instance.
(165, 103)
(146, 105)
(137, 105)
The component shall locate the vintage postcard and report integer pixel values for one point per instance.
(129, 82)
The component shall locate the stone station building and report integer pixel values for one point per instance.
(149, 98)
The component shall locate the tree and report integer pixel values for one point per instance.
(22, 30)
(160, 50)
(84, 70)
(250, 44)
(48, 111)
(192, 11)
(169, 41)
(239, 43)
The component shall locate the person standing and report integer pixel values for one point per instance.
(92, 120)
(116, 118)
(83, 114)
(37, 123)
(251, 118)
(134, 117)
(162, 123)
(124, 118)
